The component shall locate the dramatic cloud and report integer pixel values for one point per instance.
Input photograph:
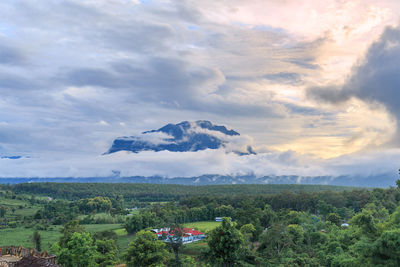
(76, 74)
(375, 80)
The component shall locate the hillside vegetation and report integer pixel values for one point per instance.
(264, 225)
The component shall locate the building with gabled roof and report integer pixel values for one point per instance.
(186, 235)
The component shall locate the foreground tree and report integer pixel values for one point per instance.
(78, 252)
(175, 241)
(107, 252)
(225, 243)
(275, 241)
(386, 250)
(68, 230)
(146, 250)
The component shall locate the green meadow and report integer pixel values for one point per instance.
(204, 226)
(21, 236)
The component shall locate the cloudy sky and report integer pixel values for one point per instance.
(313, 85)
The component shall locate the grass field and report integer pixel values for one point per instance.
(23, 236)
(204, 226)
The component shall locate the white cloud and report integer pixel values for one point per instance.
(155, 138)
(135, 66)
(189, 164)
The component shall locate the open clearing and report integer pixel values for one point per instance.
(204, 226)
(21, 236)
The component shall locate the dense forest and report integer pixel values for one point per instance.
(157, 192)
(268, 225)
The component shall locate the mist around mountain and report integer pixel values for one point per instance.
(183, 137)
(381, 180)
(202, 153)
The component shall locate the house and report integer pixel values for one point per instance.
(186, 235)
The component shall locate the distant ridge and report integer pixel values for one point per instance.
(384, 180)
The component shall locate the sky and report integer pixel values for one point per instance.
(312, 85)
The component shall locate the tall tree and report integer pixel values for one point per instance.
(225, 242)
(68, 230)
(175, 241)
(108, 252)
(145, 250)
(386, 250)
(78, 252)
(275, 241)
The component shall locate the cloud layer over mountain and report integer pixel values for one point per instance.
(311, 87)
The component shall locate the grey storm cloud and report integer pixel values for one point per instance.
(167, 81)
(12, 81)
(142, 51)
(10, 55)
(76, 74)
(134, 36)
(158, 79)
(376, 80)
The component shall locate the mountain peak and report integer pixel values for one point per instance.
(181, 137)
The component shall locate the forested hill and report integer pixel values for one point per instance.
(159, 192)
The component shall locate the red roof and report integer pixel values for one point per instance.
(185, 231)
